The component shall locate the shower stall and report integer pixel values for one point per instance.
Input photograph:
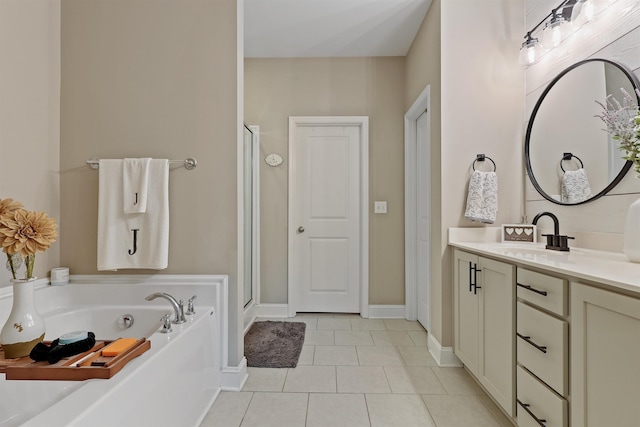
(251, 220)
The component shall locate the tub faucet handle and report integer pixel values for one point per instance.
(190, 308)
(166, 324)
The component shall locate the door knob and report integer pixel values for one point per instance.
(301, 229)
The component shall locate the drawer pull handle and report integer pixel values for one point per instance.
(532, 289)
(525, 406)
(472, 268)
(528, 340)
(473, 278)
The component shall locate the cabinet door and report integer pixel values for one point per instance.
(496, 367)
(605, 351)
(466, 310)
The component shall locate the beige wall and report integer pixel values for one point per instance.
(154, 79)
(467, 52)
(30, 113)
(423, 65)
(278, 88)
(482, 110)
(424, 69)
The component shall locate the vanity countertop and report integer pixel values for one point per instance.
(609, 268)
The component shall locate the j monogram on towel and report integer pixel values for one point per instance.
(135, 241)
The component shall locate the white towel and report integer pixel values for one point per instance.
(482, 200)
(133, 240)
(135, 182)
(575, 186)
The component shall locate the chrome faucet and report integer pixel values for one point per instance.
(190, 309)
(166, 324)
(178, 306)
(555, 241)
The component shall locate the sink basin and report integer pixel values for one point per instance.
(521, 247)
(528, 250)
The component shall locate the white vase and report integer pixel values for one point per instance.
(632, 232)
(24, 327)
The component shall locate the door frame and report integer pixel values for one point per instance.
(363, 123)
(250, 309)
(420, 105)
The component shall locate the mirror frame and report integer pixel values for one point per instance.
(636, 83)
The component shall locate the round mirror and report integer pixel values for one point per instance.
(570, 157)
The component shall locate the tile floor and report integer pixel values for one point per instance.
(356, 372)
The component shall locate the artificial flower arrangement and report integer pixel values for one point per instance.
(623, 123)
(22, 234)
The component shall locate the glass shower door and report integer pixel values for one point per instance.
(248, 215)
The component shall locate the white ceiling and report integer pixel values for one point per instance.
(321, 28)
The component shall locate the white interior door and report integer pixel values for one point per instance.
(325, 218)
(423, 205)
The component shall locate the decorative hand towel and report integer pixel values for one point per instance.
(133, 240)
(482, 199)
(135, 181)
(575, 186)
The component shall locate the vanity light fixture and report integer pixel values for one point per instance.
(583, 12)
(531, 50)
(556, 30)
(557, 26)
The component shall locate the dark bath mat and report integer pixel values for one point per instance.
(274, 344)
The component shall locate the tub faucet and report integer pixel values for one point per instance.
(555, 241)
(178, 306)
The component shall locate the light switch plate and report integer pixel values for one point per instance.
(380, 207)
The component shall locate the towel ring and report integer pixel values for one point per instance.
(569, 156)
(481, 158)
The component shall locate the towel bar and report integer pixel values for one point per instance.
(569, 156)
(482, 158)
(189, 163)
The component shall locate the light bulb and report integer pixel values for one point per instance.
(531, 51)
(555, 32)
(583, 12)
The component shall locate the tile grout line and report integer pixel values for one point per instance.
(306, 415)
(366, 404)
(244, 414)
(285, 381)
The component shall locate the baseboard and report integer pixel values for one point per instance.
(248, 323)
(249, 316)
(387, 311)
(232, 378)
(375, 311)
(444, 356)
(272, 310)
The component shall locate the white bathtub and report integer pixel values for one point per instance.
(172, 384)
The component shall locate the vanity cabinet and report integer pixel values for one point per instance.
(484, 310)
(605, 352)
(576, 333)
(542, 334)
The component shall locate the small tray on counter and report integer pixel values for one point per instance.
(66, 369)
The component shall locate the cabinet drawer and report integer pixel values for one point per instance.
(542, 290)
(535, 400)
(542, 343)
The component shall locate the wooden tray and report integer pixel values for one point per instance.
(66, 370)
